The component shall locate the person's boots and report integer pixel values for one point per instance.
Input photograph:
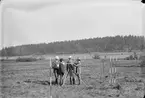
(60, 83)
(73, 80)
(56, 81)
(70, 81)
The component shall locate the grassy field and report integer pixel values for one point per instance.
(85, 55)
(31, 80)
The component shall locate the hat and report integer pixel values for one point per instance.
(70, 57)
(56, 57)
(61, 59)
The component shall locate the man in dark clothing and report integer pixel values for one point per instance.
(61, 70)
(70, 70)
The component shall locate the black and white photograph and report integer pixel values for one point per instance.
(72, 49)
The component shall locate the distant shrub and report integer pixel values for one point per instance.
(142, 63)
(7, 60)
(142, 57)
(135, 56)
(2, 60)
(41, 58)
(96, 56)
(129, 58)
(29, 59)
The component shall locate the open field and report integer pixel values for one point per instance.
(31, 80)
(84, 56)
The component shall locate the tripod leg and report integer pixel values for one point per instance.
(65, 76)
(78, 79)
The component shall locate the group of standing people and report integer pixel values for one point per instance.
(66, 68)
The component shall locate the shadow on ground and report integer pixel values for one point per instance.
(40, 82)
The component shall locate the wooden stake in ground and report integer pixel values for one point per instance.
(81, 77)
(50, 78)
(110, 70)
(114, 67)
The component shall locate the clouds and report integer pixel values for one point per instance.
(50, 21)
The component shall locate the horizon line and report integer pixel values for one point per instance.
(71, 40)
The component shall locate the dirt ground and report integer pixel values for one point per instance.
(31, 80)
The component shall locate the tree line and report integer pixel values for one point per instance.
(99, 44)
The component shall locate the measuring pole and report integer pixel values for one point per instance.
(103, 69)
(111, 70)
(50, 80)
(116, 63)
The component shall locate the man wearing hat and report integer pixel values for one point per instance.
(77, 65)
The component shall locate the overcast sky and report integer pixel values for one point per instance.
(32, 21)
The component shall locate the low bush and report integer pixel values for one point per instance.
(96, 56)
(2, 60)
(142, 57)
(41, 58)
(29, 59)
(129, 58)
(142, 63)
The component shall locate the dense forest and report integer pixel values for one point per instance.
(104, 44)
